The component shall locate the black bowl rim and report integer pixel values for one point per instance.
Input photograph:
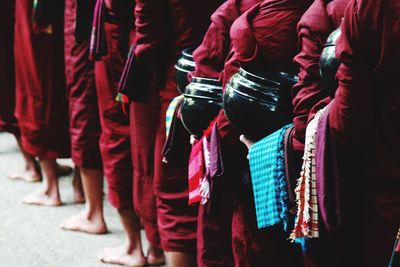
(287, 78)
(259, 101)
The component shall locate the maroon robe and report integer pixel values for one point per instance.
(309, 96)
(322, 18)
(265, 35)
(214, 246)
(364, 121)
(115, 138)
(211, 54)
(83, 111)
(8, 122)
(41, 106)
(163, 30)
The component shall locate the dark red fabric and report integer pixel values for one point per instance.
(257, 247)
(177, 221)
(210, 55)
(163, 30)
(8, 122)
(41, 106)
(115, 137)
(83, 110)
(144, 119)
(266, 36)
(259, 35)
(364, 120)
(318, 22)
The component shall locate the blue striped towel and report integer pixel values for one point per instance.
(267, 168)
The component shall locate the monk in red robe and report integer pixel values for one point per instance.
(84, 116)
(264, 36)
(41, 103)
(118, 21)
(214, 245)
(364, 123)
(309, 96)
(8, 122)
(163, 30)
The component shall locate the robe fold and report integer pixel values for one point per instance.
(8, 122)
(41, 105)
(211, 54)
(265, 36)
(79, 71)
(322, 18)
(163, 30)
(214, 230)
(364, 121)
(115, 136)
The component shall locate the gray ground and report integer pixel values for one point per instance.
(30, 235)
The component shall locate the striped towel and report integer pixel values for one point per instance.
(170, 114)
(306, 223)
(98, 46)
(395, 259)
(267, 168)
(197, 171)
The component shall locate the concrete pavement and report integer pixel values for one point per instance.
(30, 235)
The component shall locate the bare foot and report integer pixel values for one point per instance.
(42, 198)
(82, 223)
(155, 256)
(122, 256)
(64, 170)
(27, 176)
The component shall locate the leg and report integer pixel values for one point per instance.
(32, 168)
(49, 195)
(77, 185)
(177, 259)
(90, 220)
(131, 252)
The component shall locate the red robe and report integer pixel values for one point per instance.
(211, 54)
(8, 122)
(214, 246)
(309, 96)
(318, 22)
(41, 106)
(364, 121)
(79, 71)
(163, 30)
(115, 138)
(264, 35)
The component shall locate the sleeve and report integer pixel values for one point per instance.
(211, 54)
(308, 91)
(353, 106)
(308, 94)
(151, 30)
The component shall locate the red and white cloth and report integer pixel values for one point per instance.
(306, 223)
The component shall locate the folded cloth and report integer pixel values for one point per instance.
(171, 122)
(306, 222)
(200, 166)
(42, 16)
(197, 171)
(216, 164)
(98, 46)
(267, 170)
(395, 259)
(327, 178)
